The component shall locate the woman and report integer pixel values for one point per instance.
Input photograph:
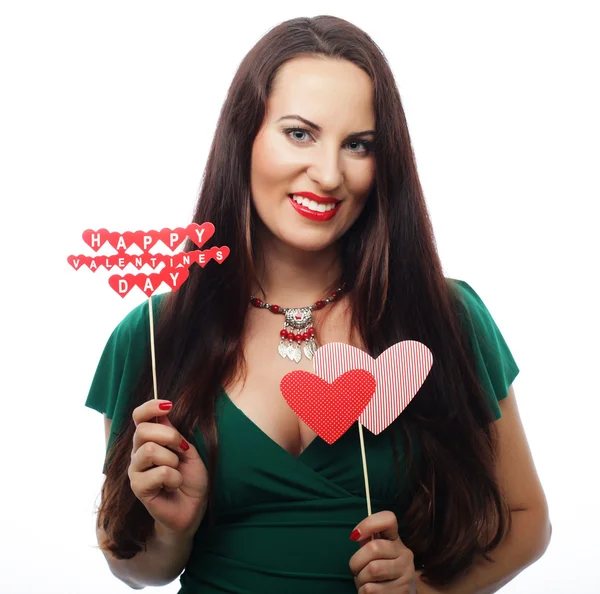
(457, 504)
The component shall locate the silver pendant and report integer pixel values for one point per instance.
(294, 353)
(298, 319)
(310, 348)
(283, 349)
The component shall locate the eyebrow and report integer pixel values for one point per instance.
(317, 127)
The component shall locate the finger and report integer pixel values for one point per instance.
(152, 454)
(385, 523)
(372, 550)
(382, 587)
(145, 484)
(378, 570)
(165, 436)
(149, 410)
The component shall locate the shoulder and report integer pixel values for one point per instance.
(134, 326)
(495, 364)
(471, 308)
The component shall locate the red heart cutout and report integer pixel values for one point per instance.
(148, 283)
(174, 277)
(153, 260)
(95, 239)
(184, 259)
(219, 254)
(78, 261)
(328, 409)
(94, 263)
(399, 371)
(121, 241)
(172, 238)
(107, 261)
(137, 261)
(120, 260)
(145, 240)
(200, 234)
(122, 284)
(202, 257)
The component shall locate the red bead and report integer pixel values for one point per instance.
(275, 308)
(319, 304)
(283, 334)
(311, 331)
(334, 296)
(257, 303)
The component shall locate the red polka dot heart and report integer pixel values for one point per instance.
(329, 409)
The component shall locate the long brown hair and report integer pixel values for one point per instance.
(397, 291)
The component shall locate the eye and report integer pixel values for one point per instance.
(288, 131)
(368, 146)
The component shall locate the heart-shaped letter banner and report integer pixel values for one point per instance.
(329, 409)
(399, 372)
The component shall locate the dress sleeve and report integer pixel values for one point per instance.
(119, 368)
(495, 365)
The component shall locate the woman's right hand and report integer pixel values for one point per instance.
(171, 481)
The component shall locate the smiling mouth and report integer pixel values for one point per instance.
(313, 205)
(312, 210)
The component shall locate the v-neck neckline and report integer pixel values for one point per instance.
(301, 457)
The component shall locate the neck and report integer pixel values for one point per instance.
(291, 277)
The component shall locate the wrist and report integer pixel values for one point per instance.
(163, 534)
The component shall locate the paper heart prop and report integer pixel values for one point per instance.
(172, 238)
(202, 257)
(145, 239)
(200, 234)
(174, 277)
(95, 239)
(122, 284)
(118, 260)
(219, 254)
(153, 260)
(121, 241)
(149, 283)
(78, 261)
(329, 409)
(184, 259)
(399, 371)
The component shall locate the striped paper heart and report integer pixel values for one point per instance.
(399, 372)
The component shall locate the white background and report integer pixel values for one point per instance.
(107, 113)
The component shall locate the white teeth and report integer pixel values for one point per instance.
(312, 204)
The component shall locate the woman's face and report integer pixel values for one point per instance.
(290, 156)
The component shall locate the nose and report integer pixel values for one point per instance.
(325, 168)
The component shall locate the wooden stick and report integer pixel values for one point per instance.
(151, 315)
(364, 460)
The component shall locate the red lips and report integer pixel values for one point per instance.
(316, 198)
(315, 215)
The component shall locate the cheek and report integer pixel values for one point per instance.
(361, 182)
(273, 162)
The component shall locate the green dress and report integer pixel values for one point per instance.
(283, 523)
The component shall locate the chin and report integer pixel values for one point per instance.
(304, 242)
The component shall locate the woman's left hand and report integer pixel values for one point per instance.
(383, 565)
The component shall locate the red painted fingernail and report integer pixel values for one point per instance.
(165, 405)
(185, 446)
(355, 534)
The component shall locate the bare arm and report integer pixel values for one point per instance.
(162, 562)
(531, 529)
